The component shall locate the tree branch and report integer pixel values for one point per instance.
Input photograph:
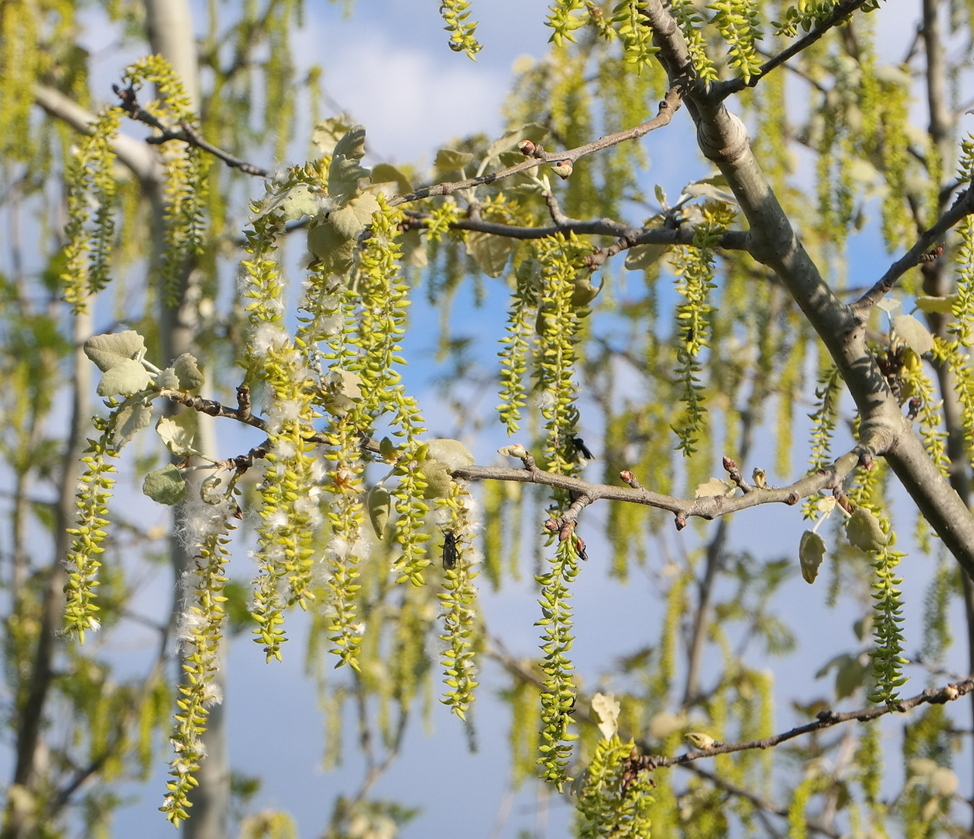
(708, 507)
(924, 247)
(840, 13)
(667, 108)
(884, 430)
(826, 719)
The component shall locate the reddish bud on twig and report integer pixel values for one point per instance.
(527, 147)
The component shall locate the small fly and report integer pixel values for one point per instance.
(450, 552)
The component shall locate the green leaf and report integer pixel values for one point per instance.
(352, 143)
(354, 217)
(449, 160)
(345, 172)
(130, 419)
(864, 531)
(849, 676)
(943, 305)
(165, 486)
(333, 249)
(439, 482)
(606, 710)
(327, 133)
(385, 173)
(811, 551)
(452, 453)
(188, 372)
(178, 432)
(113, 349)
(490, 252)
(379, 504)
(642, 256)
(912, 333)
(124, 379)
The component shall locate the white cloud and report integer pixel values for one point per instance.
(410, 103)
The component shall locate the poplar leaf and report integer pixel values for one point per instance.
(943, 305)
(584, 292)
(490, 252)
(715, 486)
(710, 188)
(379, 504)
(188, 371)
(413, 249)
(864, 531)
(130, 420)
(298, 202)
(352, 143)
(449, 160)
(912, 333)
(345, 172)
(333, 249)
(167, 379)
(165, 486)
(438, 479)
(328, 132)
(642, 256)
(178, 432)
(124, 379)
(113, 349)
(811, 552)
(849, 676)
(452, 453)
(293, 203)
(607, 709)
(354, 217)
(385, 173)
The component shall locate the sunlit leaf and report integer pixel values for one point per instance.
(113, 349)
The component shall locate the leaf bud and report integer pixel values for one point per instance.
(527, 147)
(563, 168)
(513, 451)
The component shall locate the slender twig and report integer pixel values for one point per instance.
(839, 14)
(667, 108)
(824, 720)
(963, 206)
(187, 133)
(708, 507)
